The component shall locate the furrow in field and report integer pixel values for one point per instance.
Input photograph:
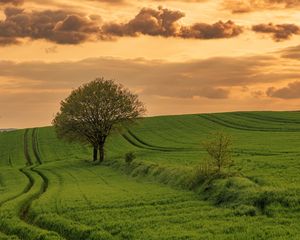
(159, 148)
(228, 124)
(244, 122)
(66, 228)
(26, 148)
(264, 118)
(14, 214)
(24, 210)
(25, 190)
(133, 140)
(35, 146)
(128, 139)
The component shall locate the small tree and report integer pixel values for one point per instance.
(93, 110)
(219, 150)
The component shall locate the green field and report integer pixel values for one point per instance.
(49, 189)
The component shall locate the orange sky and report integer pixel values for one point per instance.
(179, 56)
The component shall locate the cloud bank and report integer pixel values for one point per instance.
(245, 6)
(66, 27)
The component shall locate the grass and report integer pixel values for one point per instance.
(51, 190)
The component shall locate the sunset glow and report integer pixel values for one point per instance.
(179, 56)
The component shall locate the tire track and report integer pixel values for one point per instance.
(26, 149)
(24, 210)
(140, 144)
(24, 215)
(151, 145)
(28, 176)
(18, 228)
(238, 126)
(35, 146)
(25, 190)
(265, 118)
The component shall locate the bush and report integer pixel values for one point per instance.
(202, 173)
(129, 157)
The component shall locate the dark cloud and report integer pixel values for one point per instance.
(14, 2)
(244, 6)
(279, 31)
(5, 41)
(161, 22)
(59, 26)
(291, 91)
(206, 31)
(164, 22)
(65, 27)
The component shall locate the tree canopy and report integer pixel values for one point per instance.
(92, 111)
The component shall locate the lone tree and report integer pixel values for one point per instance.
(219, 150)
(93, 110)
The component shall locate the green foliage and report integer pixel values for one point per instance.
(203, 172)
(91, 111)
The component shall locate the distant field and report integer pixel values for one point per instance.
(49, 189)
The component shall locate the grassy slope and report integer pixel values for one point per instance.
(77, 200)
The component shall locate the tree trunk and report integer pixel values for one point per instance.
(95, 154)
(101, 151)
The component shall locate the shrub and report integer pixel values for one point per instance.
(129, 157)
(201, 173)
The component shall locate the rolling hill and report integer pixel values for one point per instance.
(49, 189)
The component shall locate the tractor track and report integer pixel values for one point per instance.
(35, 147)
(25, 190)
(238, 126)
(135, 141)
(24, 210)
(22, 213)
(29, 172)
(23, 171)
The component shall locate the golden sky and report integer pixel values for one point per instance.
(180, 56)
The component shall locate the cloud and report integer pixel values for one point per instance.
(279, 32)
(66, 27)
(164, 22)
(5, 41)
(291, 52)
(212, 78)
(214, 84)
(57, 26)
(13, 2)
(244, 6)
(161, 22)
(291, 91)
(206, 31)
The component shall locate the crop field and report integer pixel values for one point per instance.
(50, 189)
